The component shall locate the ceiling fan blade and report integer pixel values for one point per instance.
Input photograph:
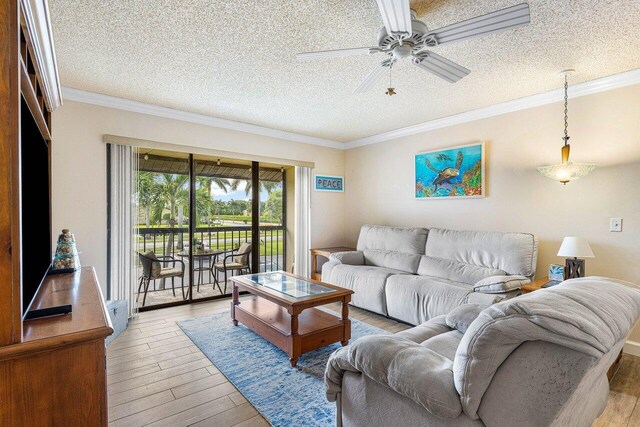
(336, 53)
(396, 16)
(372, 78)
(441, 67)
(500, 20)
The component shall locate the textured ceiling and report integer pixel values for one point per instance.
(236, 59)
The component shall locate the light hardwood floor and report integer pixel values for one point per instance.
(156, 376)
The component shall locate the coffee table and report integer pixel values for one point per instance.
(281, 310)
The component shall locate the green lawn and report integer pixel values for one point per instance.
(271, 244)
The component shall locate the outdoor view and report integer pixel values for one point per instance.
(223, 225)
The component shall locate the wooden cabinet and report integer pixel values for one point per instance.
(57, 375)
(27, 72)
(52, 370)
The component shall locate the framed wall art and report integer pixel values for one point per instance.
(334, 184)
(455, 172)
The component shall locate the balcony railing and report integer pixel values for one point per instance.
(170, 241)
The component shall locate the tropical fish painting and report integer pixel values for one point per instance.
(454, 172)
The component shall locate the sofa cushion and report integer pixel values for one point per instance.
(444, 344)
(416, 299)
(348, 257)
(407, 263)
(513, 253)
(498, 284)
(461, 317)
(396, 239)
(392, 247)
(455, 270)
(409, 369)
(368, 283)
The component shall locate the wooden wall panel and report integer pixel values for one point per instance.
(10, 312)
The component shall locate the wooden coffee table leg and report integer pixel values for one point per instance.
(346, 333)
(234, 302)
(295, 341)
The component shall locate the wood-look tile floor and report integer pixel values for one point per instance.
(157, 377)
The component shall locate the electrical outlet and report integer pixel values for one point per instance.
(615, 224)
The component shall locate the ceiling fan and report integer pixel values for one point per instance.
(403, 36)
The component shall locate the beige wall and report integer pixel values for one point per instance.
(79, 170)
(604, 128)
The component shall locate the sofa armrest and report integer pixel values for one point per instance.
(406, 367)
(348, 257)
(500, 284)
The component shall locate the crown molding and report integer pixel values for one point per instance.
(580, 89)
(36, 18)
(614, 81)
(86, 97)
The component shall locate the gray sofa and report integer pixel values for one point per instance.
(414, 274)
(539, 359)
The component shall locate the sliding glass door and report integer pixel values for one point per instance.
(206, 219)
(272, 219)
(223, 224)
(162, 228)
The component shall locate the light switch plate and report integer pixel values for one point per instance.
(615, 224)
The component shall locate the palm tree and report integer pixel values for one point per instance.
(205, 183)
(267, 186)
(204, 198)
(172, 191)
(147, 189)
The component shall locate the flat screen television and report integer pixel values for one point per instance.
(35, 203)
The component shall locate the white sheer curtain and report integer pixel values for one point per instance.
(302, 238)
(122, 215)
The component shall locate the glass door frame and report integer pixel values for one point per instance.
(255, 231)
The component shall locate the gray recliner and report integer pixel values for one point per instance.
(539, 359)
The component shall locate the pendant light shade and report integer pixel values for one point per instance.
(566, 171)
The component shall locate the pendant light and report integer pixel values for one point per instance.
(566, 171)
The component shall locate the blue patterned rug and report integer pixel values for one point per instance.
(284, 395)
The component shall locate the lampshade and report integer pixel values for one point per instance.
(575, 247)
(567, 172)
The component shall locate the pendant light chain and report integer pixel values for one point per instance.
(566, 111)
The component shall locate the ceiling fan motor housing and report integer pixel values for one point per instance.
(418, 30)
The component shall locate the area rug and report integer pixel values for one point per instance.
(285, 396)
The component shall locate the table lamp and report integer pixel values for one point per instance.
(575, 247)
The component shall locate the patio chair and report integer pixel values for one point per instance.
(153, 268)
(237, 260)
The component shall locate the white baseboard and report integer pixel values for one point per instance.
(632, 347)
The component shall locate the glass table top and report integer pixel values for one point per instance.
(288, 285)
